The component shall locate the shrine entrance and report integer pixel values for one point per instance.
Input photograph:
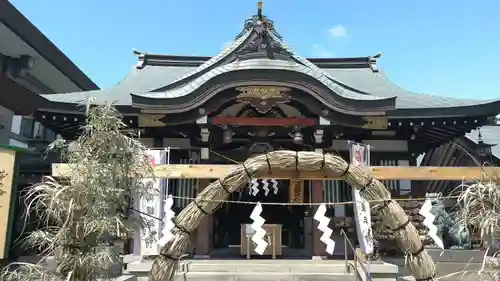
(298, 165)
(230, 217)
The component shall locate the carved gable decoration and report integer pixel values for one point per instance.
(263, 98)
(264, 46)
(265, 41)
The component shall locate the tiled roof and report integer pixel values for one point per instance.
(490, 135)
(172, 77)
(365, 80)
(137, 81)
(262, 64)
(376, 83)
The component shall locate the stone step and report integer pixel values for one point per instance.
(262, 276)
(263, 267)
(249, 266)
(223, 269)
(282, 266)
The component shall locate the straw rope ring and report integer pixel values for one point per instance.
(392, 215)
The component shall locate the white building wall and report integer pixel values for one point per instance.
(16, 124)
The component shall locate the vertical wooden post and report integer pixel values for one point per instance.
(318, 249)
(204, 231)
(8, 188)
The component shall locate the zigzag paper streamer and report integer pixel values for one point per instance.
(265, 187)
(168, 224)
(258, 222)
(323, 227)
(274, 184)
(429, 223)
(254, 187)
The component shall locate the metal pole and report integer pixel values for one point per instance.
(165, 192)
(167, 156)
(345, 252)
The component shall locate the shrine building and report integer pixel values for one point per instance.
(258, 95)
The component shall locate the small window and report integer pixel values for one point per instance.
(38, 131)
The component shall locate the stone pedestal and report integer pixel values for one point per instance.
(458, 255)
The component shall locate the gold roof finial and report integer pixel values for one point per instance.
(259, 5)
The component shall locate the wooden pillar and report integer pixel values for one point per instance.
(318, 248)
(204, 231)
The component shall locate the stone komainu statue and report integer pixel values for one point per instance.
(455, 236)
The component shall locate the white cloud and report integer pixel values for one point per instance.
(320, 51)
(337, 31)
(227, 44)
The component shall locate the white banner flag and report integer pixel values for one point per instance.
(360, 156)
(151, 210)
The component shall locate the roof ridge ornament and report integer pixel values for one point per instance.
(142, 58)
(265, 41)
(259, 18)
(372, 60)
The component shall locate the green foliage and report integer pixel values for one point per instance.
(480, 208)
(82, 215)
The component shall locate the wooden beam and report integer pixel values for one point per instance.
(262, 121)
(380, 173)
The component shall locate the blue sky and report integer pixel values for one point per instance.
(438, 47)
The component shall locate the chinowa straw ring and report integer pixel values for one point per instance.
(392, 215)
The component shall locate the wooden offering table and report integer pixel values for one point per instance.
(272, 237)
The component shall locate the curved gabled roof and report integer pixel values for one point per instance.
(262, 64)
(358, 79)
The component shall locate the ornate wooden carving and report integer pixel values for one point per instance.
(296, 191)
(151, 120)
(262, 121)
(375, 123)
(263, 98)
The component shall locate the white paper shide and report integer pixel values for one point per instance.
(429, 217)
(253, 186)
(323, 222)
(168, 224)
(258, 230)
